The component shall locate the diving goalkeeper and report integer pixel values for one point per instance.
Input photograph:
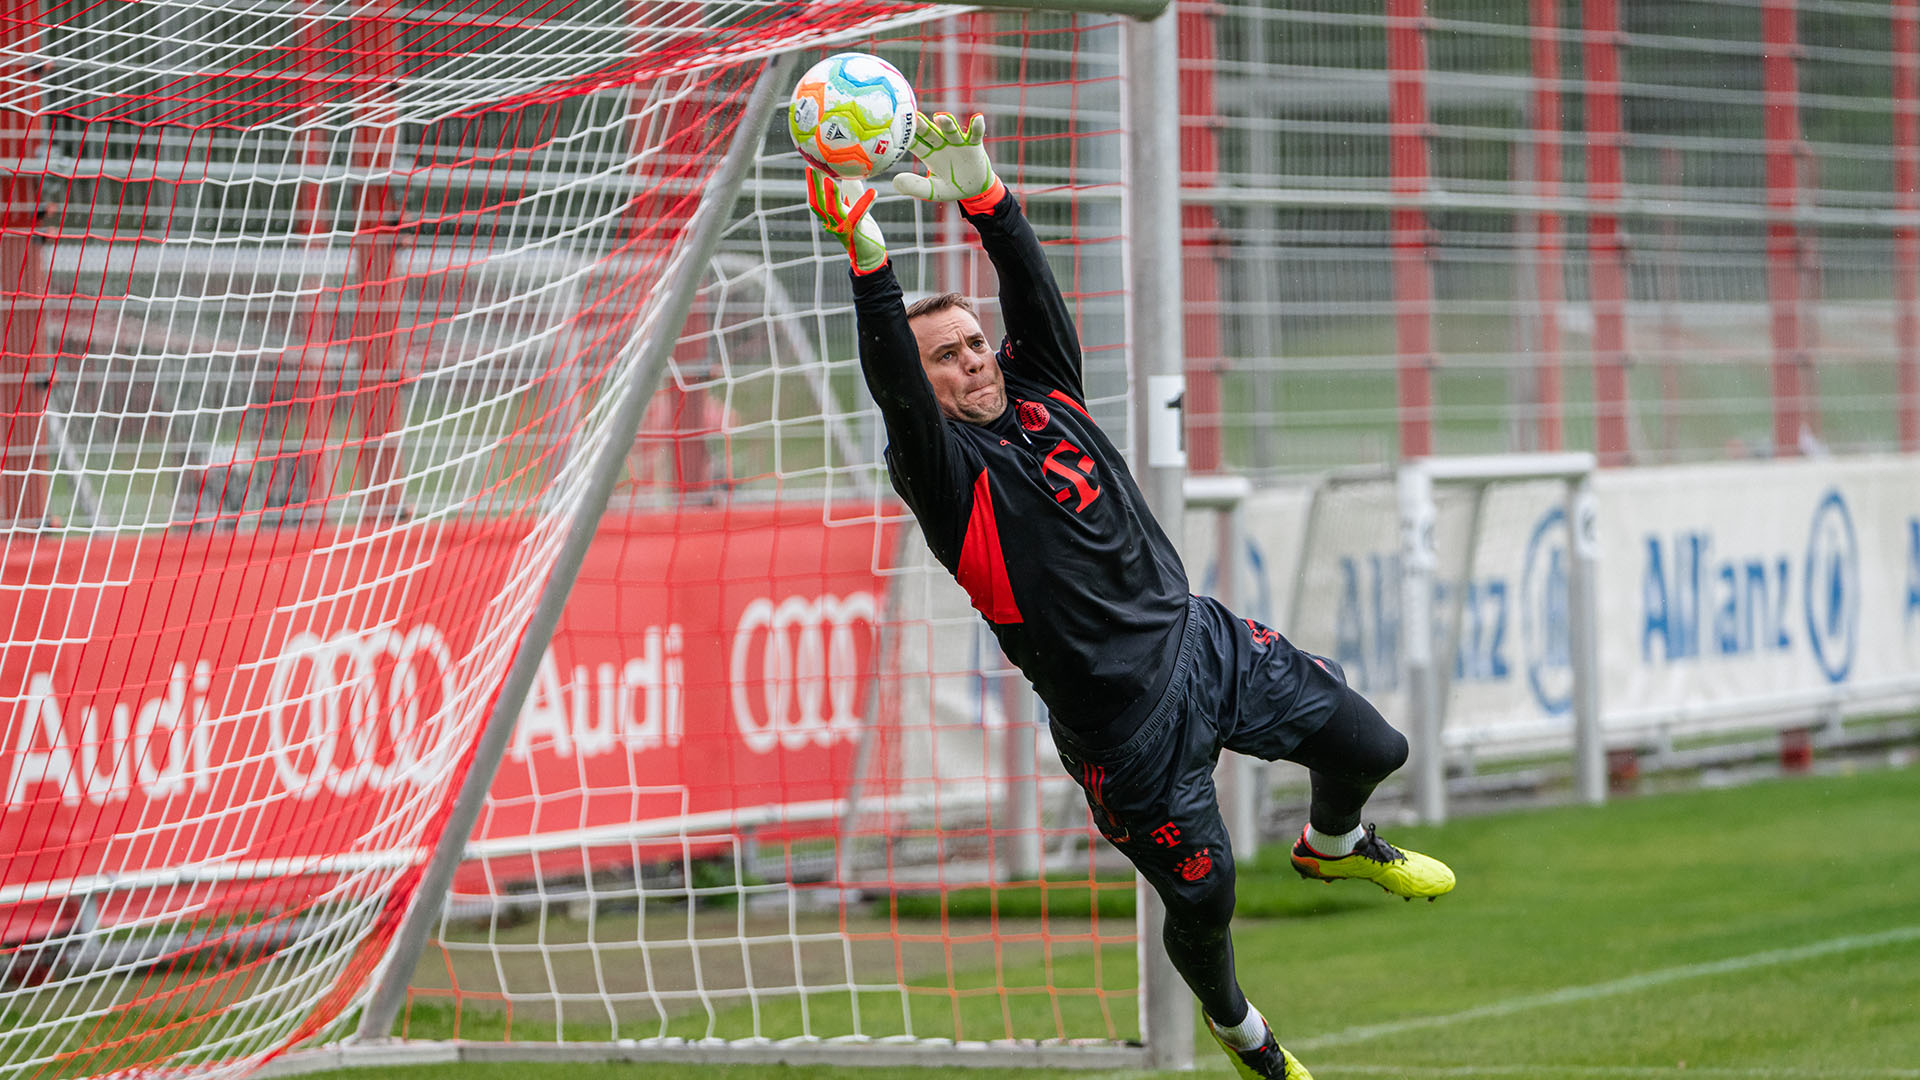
(1023, 498)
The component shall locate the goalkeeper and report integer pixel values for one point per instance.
(1023, 498)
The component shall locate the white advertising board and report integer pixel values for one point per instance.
(1731, 594)
(1758, 588)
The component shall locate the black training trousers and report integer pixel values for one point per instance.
(1241, 686)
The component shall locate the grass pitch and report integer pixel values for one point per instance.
(1766, 931)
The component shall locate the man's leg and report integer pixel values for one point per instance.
(1200, 944)
(1346, 759)
(1351, 753)
(1201, 947)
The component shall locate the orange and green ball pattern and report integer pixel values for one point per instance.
(852, 115)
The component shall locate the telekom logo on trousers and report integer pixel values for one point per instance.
(804, 656)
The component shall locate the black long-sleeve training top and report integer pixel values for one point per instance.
(1034, 513)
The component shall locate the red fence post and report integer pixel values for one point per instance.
(1605, 252)
(26, 361)
(1785, 250)
(1548, 246)
(377, 271)
(1906, 238)
(1412, 270)
(1200, 241)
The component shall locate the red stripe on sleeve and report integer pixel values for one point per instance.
(1069, 402)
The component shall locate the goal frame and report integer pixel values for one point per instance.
(1153, 268)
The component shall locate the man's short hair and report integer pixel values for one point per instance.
(930, 305)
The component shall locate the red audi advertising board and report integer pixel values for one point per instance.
(724, 665)
(271, 703)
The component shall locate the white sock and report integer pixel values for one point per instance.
(1248, 1034)
(1334, 846)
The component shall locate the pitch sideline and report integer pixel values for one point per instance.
(1624, 1072)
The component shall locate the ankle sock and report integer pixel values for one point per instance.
(1334, 846)
(1248, 1034)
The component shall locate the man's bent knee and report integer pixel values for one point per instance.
(1355, 744)
(1206, 902)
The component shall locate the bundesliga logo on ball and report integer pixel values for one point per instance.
(852, 115)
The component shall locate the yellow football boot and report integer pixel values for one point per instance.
(1403, 873)
(1270, 1061)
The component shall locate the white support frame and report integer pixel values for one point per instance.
(1238, 779)
(1156, 357)
(1419, 637)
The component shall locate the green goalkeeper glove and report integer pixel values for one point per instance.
(848, 222)
(957, 166)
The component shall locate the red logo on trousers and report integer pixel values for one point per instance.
(1197, 866)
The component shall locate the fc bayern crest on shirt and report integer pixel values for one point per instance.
(1033, 415)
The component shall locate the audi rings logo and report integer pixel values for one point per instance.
(1832, 584)
(804, 689)
(359, 710)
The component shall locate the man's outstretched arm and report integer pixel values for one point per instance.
(918, 450)
(1045, 345)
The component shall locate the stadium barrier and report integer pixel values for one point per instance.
(1735, 596)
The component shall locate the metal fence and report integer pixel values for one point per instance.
(1661, 231)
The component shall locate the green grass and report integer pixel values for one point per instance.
(1648, 938)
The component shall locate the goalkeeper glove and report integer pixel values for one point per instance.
(847, 222)
(956, 161)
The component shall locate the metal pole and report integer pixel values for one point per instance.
(1237, 778)
(1906, 200)
(1786, 248)
(1417, 522)
(1408, 163)
(1020, 828)
(1606, 248)
(1156, 357)
(1583, 633)
(703, 239)
(1139, 9)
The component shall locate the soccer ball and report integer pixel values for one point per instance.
(852, 115)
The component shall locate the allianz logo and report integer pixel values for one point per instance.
(1698, 599)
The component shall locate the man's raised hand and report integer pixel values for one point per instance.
(958, 169)
(842, 205)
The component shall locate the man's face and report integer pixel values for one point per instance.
(960, 364)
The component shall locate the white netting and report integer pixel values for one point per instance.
(309, 320)
(847, 821)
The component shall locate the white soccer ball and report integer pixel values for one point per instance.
(852, 115)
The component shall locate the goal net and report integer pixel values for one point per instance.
(776, 784)
(314, 316)
(311, 315)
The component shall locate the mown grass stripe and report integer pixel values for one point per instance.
(1615, 987)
